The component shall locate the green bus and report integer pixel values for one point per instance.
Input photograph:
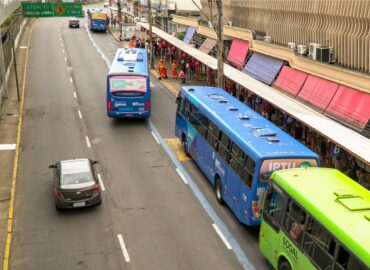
(315, 218)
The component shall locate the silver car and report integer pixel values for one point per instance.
(76, 183)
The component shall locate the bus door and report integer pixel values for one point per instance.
(232, 190)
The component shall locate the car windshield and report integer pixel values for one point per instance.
(76, 178)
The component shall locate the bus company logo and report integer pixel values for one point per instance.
(138, 104)
(120, 103)
(305, 164)
(290, 247)
(219, 167)
(273, 166)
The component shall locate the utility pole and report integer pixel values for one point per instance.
(151, 35)
(220, 46)
(119, 5)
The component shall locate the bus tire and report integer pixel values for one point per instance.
(185, 143)
(284, 265)
(218, 190)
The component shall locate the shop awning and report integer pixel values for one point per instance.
(318, 92)
(290, 80)
(207, 45)
(189, 35)
(262, 67)
(238, 52)
(350, 105)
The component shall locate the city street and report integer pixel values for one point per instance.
(149, 218)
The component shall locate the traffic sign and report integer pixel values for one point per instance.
(52, 9)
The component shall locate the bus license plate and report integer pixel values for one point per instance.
(79, 204)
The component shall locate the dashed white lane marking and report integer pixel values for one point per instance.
(61, 44)
(74, 94)
(65, 59)
(88, 142)
(71, 80)
(181, 176)
(11, 146)
(63, 51)
(155, 138)
(223, 238)
(23, 47)
(60, 39)
(79, 114)
(123, 247)
(101, 182)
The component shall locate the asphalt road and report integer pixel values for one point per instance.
(161, 222)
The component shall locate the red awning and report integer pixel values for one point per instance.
(207, 45)
(318, 92)
(351, 105)
(238, 52)
(290, 80)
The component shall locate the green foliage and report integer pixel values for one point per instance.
(7, 21)
(181, 35)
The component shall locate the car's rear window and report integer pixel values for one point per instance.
(76, 178)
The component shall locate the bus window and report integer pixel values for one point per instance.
(294, 221)
(317, 243)
(212, 137)
(224, 146)
(274, 206)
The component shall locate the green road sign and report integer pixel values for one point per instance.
(52, 9)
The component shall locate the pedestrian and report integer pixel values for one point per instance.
(114, 21)
(160, 67)
(174, 69)
(132, 43)
(182, 76)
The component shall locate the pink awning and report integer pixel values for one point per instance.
(290, 80)
(238, 52)
(351, 105)
(318, 92)
(207, 45)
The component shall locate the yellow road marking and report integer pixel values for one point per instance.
(172, 89)
(15, 164)
(177, 148)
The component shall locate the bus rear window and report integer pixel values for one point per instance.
(127, 85)
(270, 165)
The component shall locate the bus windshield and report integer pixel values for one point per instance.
(99, 16)
(128, 84)
(270, 165)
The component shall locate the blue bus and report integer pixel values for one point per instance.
(235, 147)
(97, 19)
(128, 84)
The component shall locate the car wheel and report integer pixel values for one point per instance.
(185, 143)
(285, 266)
(218, 190)
(58, 208)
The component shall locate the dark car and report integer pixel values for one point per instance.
(74, 23)
(76, 184)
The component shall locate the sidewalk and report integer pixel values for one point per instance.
(173, 85)
(9, 124)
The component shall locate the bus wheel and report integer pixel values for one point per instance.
(285, 266)
(218, 190)
(184, 142)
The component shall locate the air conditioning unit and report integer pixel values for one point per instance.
(302, 49)
(229, 23)
(323, 54)
(210, 25)
(267, 39)
(291, 45)
(312, 50)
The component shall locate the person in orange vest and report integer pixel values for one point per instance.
(132, 43)
(174, 69)
(160, 69)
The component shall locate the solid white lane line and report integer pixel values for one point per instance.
(65, 59)
(101, 182)
(181, 176)
(223, 238)
(11, 146)
(155, 138)
(71, 80)
(123, 247)
(79, 114)
(74, 94)
(88, 142)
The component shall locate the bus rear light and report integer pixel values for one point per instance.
(147, 105)
(109, 105)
